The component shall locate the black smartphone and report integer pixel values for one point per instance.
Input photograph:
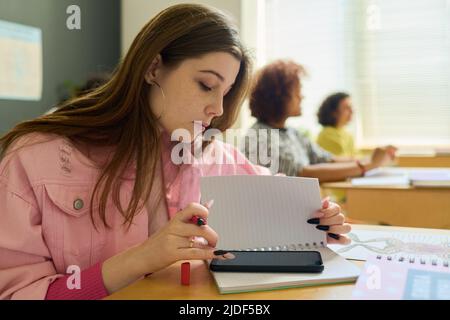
(271, 261)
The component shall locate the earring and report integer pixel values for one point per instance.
(154, 83)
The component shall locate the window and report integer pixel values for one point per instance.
(393, 57)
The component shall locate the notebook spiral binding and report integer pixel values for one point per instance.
(290, 247)
(422, 261)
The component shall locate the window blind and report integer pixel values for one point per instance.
(393, 57)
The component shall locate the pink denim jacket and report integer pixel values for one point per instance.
(45, 226)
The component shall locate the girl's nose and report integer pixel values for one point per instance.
(216, 108)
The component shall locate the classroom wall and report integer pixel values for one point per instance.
(136, 13)
(68, 55)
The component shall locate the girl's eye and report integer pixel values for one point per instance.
(204, 87)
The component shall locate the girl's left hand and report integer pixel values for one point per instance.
(331, 220)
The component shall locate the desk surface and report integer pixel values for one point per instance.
(165, 284)
(395, 205)
(430, 161)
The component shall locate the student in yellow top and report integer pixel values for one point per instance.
(334, 114)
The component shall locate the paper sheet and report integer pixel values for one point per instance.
(262, 211)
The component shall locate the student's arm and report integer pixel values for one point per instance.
(329, 172)
(168, 245)
(342, 159)
(91, 286)
(388, 150)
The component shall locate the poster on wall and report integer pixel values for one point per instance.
(20, 62)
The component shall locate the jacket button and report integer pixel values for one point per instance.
(78, 204)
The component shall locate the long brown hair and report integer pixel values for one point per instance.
(118, 113)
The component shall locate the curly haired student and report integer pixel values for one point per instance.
(276, 95)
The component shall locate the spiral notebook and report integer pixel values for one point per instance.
(416, 246)
(402, 279)
(270, 213)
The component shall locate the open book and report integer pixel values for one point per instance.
(270, 213)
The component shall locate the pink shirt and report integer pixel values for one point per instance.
(45, 226)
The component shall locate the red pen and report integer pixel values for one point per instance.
(198, 220)
(186, 266)
(185, 273)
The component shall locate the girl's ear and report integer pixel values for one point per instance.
(153, 69)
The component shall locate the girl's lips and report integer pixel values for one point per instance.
(204, 125)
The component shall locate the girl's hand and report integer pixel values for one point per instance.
(177, 241)
(331, 220)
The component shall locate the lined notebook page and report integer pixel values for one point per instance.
(253, 212)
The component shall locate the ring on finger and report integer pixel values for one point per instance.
(191, 242)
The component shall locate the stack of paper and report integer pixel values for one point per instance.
(430, 178)
(419, 177)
